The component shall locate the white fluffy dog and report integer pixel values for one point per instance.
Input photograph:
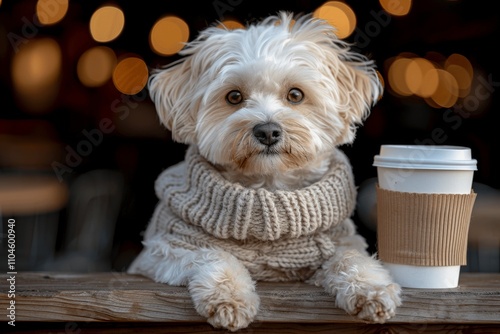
(264, 193)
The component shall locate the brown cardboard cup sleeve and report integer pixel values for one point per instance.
(423, 229)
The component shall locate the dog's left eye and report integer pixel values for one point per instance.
(234, 97)
(295, 96)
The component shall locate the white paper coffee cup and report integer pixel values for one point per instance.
(425, 169)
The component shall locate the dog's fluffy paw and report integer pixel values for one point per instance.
(233, 315)
(227, 302)
(376, 303)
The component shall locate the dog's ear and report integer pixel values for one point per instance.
(172, 90)
(179, 89)
(359, 88)
(354, 82)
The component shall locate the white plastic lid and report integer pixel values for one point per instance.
(425, 157)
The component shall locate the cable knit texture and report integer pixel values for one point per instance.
(279, 235)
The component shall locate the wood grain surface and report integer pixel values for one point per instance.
(90, 300)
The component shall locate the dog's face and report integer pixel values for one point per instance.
(267, 99)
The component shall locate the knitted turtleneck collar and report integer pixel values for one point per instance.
(196, 192)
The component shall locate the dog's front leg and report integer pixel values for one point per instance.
(223, 291)
(360, 284)
(220, 286)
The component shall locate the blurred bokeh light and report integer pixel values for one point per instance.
(461, 68)
(107, 23)
(168, 35)
(440, 83)
(446, 94)
(396, 8)
(339, 15)
(96, 66)
(421, 77)
(130, 75)
(397, 76)
(50, 11)
(36, 70)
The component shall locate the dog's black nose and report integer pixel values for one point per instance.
(267, 133)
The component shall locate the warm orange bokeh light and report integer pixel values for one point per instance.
(397, 76)
(438, 80)
(107, 23)
(462, 70)
(36, 72)
(421, 77)
(339, 15)
(50, 11)
(95, 66)
(464, 80)
(396, 7)
(168, 35)
(130, 75)
(446, 94)
(459, 60)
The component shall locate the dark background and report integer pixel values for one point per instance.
(140, 148)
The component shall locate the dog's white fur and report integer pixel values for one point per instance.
(266, 63)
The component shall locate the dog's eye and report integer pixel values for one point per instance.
(234, 97)
(295, 96)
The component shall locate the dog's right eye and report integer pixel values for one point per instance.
(234, 97)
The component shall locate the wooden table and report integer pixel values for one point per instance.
(120, 303)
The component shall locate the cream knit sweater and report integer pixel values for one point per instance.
(280, 235)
